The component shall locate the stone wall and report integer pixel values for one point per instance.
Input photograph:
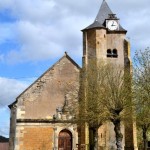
(42, 136)
(36, 138)
(40, 101)
(12, 131)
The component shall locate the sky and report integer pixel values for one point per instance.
(34, 34)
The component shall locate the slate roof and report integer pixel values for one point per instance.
(103, 12)
(102, 15)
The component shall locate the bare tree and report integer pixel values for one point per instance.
(90, 111)
(142, 91)
(105, 94)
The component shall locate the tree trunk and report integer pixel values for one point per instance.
(94, 139)
(144, 138)
(95, 133)
(118, 133)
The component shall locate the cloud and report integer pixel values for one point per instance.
(1, 57)
(10, 89)
(44, 29)
(33, 10)
(39, 41)
(7, 33)
(5, 4)
(4, 121)
(134, 16)
(36, 43)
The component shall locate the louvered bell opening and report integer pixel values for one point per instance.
(114, 53)
(109, 54)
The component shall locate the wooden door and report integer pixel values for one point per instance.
(65, 140)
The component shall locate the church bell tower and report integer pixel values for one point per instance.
(105, 39)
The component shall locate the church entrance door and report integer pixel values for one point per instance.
(65, 140)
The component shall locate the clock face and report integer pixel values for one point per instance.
(112, 25)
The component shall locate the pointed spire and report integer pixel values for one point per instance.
(103, 13)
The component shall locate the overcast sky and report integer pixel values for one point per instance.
(35, 33)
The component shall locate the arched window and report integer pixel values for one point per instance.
(109, 53)
(112, 53)
(115, 54)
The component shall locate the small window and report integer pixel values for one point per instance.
(109, 53)
(112, 53)
(115, 55)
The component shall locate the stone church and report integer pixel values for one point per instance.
(40, 119)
